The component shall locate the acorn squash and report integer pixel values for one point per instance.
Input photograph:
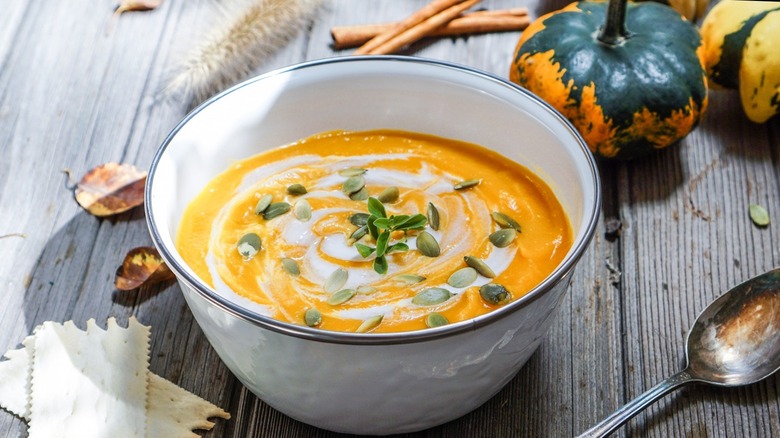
(630, 87)
(740, 47)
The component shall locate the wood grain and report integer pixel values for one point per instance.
(78, 88)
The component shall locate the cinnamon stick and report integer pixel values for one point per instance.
(352, 36)
(409, 22)
(512, 11)
(419, 31)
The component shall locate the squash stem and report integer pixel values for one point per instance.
(614, 30)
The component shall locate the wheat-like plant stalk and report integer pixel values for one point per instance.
(238, 45)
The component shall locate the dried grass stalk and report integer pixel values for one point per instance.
(248, 36)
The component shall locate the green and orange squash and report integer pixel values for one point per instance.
(628, 76)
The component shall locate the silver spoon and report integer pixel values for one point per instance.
(734, 341)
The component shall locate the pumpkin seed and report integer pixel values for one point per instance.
(480, 266)
(427, 244)
(502, 238)
(466, 184)
(341, 297)
(336, 280)
(275, 210)
(359, 233)
(431, 296)
(353, 184)
(462, 277)
(296, 189)
(291, 266)
(365, 289)
(263, 204)
(435, 320)
(312, 317)
(759, 215)
(370, 324)
(505, 221)
(408, 279)
(302, 210)
(359, 219)
(352, 171)
(249, 245)
(360, 195)
(388, 195)
(433, 216)
(493, 293)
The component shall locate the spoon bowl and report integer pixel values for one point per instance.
(734, 341)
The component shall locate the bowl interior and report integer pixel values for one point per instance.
(369, 93)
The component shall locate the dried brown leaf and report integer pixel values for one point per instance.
(142, 266)
(111, 188)
(136, 5)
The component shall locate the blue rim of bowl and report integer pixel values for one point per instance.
(314, 334)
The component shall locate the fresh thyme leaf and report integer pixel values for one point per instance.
(383, 223)
(372, 229)
(364, 250)
(380, 265)
(415, 222)
(400, 247)
(380, 227)
(376, 208)
(381, 243)
(397, 221)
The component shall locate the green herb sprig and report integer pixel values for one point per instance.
(380, 226)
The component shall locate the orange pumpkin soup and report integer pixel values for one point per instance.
(379, 231)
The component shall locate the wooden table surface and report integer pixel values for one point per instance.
(78, 89)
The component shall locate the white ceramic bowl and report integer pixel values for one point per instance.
(372, 383)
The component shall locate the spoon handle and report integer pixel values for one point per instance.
(609, 424)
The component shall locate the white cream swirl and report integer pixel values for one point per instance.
(462, 211)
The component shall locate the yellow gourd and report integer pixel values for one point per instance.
(690, 9)
(741, 42)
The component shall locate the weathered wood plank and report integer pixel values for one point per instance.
(78, 89)
(691, 240)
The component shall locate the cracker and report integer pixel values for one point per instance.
(15, 381)
(170, 411)
(174, 412)
(80, 389)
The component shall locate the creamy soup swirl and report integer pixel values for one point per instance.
(306, 266)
